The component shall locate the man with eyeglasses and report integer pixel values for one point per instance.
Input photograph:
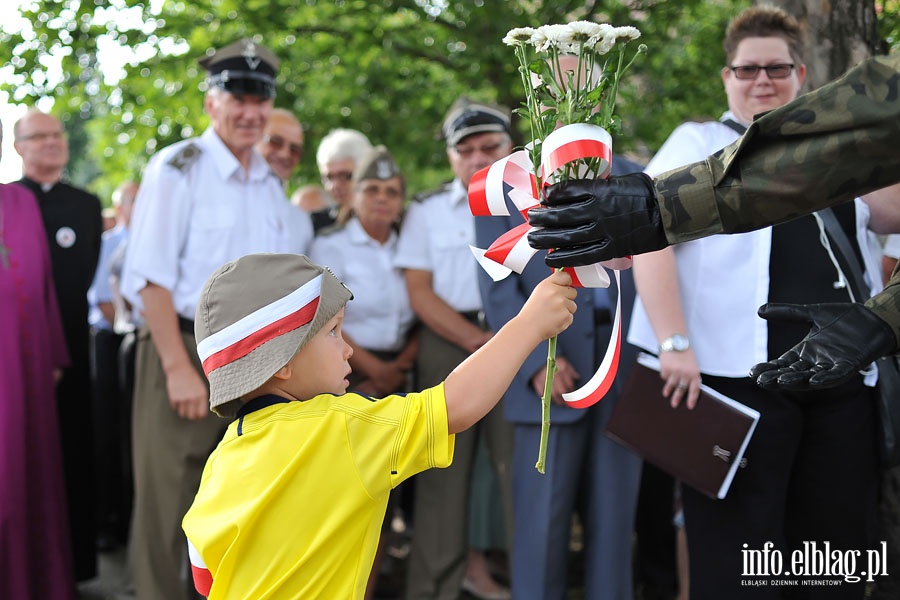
(202, 202)
(74, 225)
(442, 282)
(282, 143)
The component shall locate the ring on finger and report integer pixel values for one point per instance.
(682, 385)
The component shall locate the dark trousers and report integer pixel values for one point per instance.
(655, 568)
(811, 476)
(74, 401)
(111, 448)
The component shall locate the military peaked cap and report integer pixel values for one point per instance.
(242, 67)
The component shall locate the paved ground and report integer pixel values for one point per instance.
(113, 582)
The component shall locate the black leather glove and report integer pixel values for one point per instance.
(843, 338)
(590, 220)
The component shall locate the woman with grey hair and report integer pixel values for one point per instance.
(337, 156)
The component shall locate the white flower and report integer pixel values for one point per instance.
(626, 34)
(518, 36)
(557, 35)
(539, 41)
(585, 31)
(606, 39)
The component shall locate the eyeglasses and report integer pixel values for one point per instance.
(337, 176)
(278, 142)
(777, 71)
(392, 193)
(467, 151)
(41, 136)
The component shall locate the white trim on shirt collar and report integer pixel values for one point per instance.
(227, 164)
(358, 235)
(459, 193)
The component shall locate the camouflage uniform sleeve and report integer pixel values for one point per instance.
(886, 304)
(822, 148)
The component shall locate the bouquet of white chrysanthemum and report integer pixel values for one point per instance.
(571, 75)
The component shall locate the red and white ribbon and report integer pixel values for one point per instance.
(512, 178)
(572, 143)
(594, 390)
(513, 175)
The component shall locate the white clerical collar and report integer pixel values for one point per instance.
(46, 187)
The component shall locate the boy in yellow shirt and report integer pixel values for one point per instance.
(291, 501)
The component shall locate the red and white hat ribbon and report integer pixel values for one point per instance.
(513, 178)
(265, 324)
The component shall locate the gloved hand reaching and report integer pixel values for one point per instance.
(843, 339)
(591, 220)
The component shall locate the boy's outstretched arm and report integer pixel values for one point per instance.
(478, 383)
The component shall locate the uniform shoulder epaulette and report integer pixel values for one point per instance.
(186, 157)
(330, 229)
(441, 189)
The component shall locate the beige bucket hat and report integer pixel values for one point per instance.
(254, 314)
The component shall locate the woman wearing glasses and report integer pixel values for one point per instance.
(810, 475)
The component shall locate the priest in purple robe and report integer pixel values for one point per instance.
(73, 225)
(35, 556)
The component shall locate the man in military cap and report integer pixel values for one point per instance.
(202, 202)
(442, 281)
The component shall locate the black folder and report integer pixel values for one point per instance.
(702, 447)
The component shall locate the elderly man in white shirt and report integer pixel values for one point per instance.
(202, 202)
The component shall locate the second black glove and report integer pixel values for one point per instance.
(843, 339)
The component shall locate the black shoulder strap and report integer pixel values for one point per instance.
(734, 125)
(845, 255)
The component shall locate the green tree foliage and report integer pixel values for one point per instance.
(389, 68)
(888, 12)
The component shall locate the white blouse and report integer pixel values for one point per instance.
(379, 316)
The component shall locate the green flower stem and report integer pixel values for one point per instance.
(545, 405)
